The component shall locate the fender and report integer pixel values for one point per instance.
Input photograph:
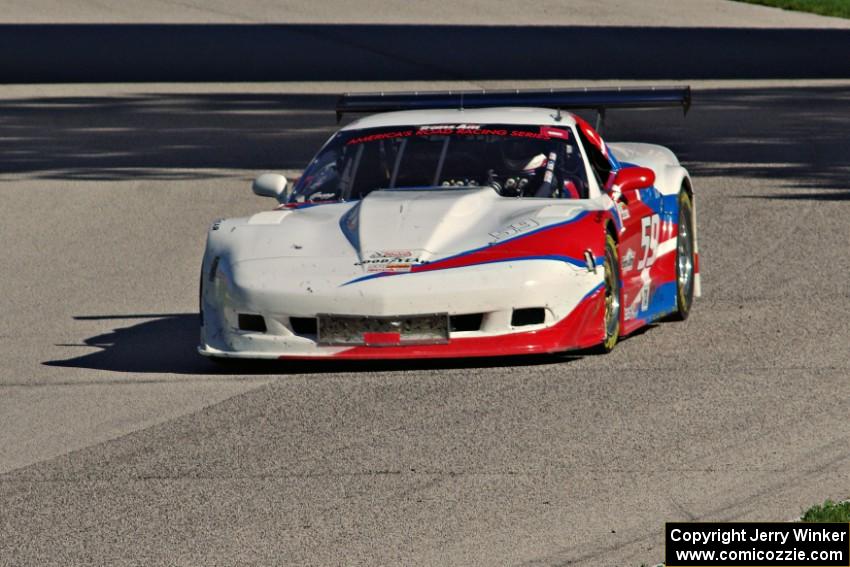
(669, 178)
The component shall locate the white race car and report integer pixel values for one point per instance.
(472, 224)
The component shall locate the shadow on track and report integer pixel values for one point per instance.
(832, 195)
(165, 343)
(795, 136)
(356, 52)
(160, 136)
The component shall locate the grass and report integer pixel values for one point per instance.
(837, 8)
(829, 511)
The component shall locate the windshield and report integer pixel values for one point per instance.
(515, 160)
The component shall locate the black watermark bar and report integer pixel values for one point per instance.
(762, 544)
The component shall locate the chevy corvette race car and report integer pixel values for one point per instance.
(458, 225)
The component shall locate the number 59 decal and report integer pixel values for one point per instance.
(649, 230)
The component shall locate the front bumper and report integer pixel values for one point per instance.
(572, 299)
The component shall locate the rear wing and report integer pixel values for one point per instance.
(599, 99)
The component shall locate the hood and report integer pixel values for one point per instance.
(423, 223)
(416, 225)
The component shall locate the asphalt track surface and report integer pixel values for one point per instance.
(120, 446)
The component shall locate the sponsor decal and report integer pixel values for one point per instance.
(459, 130)
(514, 229)
(644, 297)
(532, 135)
(628, 260)
(544, 133)
(436, 129)
(380, 136)
(391, 260)
(429, 127)
(624, 211)
(631, 312)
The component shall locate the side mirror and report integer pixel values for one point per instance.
(630, 179)
(271, 185)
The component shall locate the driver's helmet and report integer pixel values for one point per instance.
(523, 156)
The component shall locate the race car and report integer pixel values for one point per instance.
(458, 225)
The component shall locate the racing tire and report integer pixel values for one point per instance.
(685, 260)
(613, 296)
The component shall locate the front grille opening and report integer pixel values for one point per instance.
(254, 323)
(468, 322)
(528, 316)
(303, 325)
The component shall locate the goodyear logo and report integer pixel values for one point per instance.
(391, 260)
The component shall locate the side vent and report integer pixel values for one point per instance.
(303, 325)
(468, 322)
(528, 316)
(253, 323)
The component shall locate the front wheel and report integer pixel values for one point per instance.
(612, 295)
(684, 259)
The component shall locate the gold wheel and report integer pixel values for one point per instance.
(612, 294)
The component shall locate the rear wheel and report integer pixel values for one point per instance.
(612, 295)
(685, 261)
